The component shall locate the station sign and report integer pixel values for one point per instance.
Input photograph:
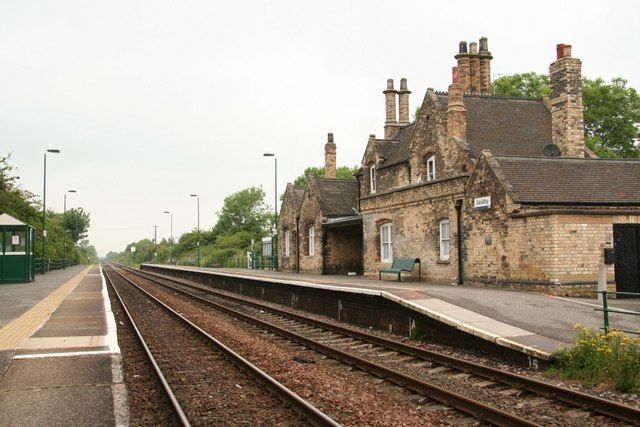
(482, 203)
(133, 248)
(15, 240)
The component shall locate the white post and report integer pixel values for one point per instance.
(602, 280)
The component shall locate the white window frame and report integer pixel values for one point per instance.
(431, 168)
(312, 241)
(386, 242)
(445, 239)
(287, 243)
(372, 178)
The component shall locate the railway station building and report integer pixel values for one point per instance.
(491, 190)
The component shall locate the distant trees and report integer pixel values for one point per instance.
(24, 206)
(343, 172)
(611, 110)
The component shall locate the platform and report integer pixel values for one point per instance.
(534, 324)
(59, 355)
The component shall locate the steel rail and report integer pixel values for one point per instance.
(455, 400)
(179, 412)
(313, 415)
(573, 397)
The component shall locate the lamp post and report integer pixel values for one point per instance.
(274, 241)
(44, 206)
(64, 230)
(170, 239)
(198, 242)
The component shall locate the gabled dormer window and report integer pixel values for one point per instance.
(431, 168)
(372, 178)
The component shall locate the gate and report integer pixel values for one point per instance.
(626, 241)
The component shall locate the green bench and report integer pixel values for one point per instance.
(402, 264)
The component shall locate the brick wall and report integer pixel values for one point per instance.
(343, 250)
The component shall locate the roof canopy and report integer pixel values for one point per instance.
(6, 219)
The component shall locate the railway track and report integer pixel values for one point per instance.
(512, 397)
(194, 368)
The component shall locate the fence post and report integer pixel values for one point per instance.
(605, 310)
(602, 281)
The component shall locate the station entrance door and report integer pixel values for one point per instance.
(626, 244)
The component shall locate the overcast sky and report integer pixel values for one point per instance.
(151, 101)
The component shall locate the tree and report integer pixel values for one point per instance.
(76, 222)
(611, 110)
(343, 172)
(527, 85)
(244, 210)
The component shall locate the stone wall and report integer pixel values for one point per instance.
(287, 221)
(415, 213)
(310, 215)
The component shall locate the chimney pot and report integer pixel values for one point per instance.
(566, 51)
(463, 47)
(454, 75)
(403, 84)
(559, 50)
(330, 137)
(484, 44)
(473, 48)
(389, 84)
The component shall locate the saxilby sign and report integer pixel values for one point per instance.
(482, 203)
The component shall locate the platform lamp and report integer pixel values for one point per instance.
(44, 206)
(64, 230)
(198, 242)
(170, 239)
(274, 241)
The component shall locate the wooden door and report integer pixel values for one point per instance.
(626, 244)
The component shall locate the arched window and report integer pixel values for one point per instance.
(445, 244)
(372, 178)
(431, 168)
(386, 245)
(312, 240)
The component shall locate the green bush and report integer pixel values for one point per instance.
(602, 357)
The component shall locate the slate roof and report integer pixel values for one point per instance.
(566, 181)
(6, 219)
(396, 150)
(502, 125)
(337, 197)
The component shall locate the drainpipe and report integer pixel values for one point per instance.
(297, 244)
(458, 206)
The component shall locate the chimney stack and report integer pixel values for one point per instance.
(485, 66)
(390, 124)
(474, 68)
(403, 97)
(567, 123)
(456, 113)
(330, 168)
(464, 68)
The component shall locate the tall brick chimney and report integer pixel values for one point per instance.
(403, 97)
(474, 67)
(456, 113)
(485, 66)
(390, 124)
(330, 168)
(464, 68)
(567, 124)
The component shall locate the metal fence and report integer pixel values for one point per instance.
(53, 264)
(606, 310)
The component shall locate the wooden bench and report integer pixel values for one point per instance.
(402, 264)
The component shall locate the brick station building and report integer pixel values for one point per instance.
(488, 190)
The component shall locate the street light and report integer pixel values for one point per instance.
(274, 242)
(44, 205)
(171, 239)
(198, 242)
(64, 232)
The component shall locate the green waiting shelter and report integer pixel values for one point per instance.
(17, 257)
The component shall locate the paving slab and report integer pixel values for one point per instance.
(61, 363)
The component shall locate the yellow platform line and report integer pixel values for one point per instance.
(16, 331)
